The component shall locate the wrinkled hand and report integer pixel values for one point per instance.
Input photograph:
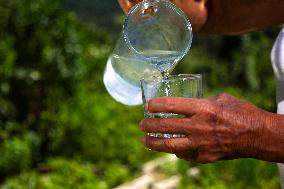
(217, 128)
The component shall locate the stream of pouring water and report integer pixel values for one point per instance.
(167, 82)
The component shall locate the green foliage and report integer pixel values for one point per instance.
(236, 174)
(243, 173)
(16, 153)
(115, 174)
(53, 102)
(60, 174)
(41, 52)
(97, 128)
(54, 108)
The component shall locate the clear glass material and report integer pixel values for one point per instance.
(183, 85)
(156, 35)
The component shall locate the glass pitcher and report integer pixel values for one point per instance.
(156, 35)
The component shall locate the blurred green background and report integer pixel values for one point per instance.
(60, 129)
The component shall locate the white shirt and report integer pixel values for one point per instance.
(277, 59)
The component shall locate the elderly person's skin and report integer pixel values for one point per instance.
(222, 127)
(218, 128)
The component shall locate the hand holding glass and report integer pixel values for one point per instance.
(183, 85)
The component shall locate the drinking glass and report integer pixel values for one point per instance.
(182, 85)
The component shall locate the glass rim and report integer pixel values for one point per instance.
(186, 77)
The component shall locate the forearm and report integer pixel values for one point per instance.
(270, 146)
(241, 16)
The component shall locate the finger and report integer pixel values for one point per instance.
(199, 157)
(172, 145)
(127, 4)
(179, 105)
(190, 155)
(173, 126)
